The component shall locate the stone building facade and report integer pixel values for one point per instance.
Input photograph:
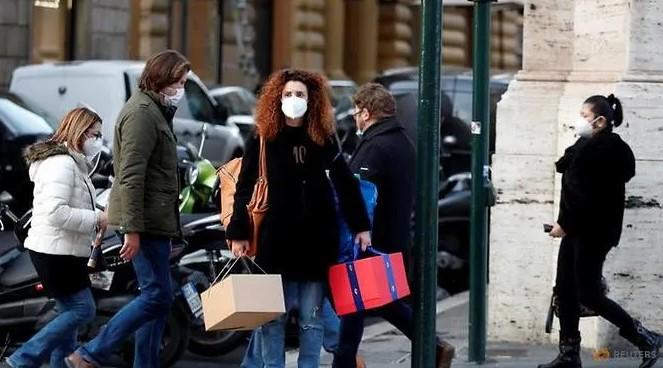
(574, 49)
(353, 39)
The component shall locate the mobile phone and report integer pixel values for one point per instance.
(547, 228)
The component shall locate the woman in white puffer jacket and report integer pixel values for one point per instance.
(64, 225)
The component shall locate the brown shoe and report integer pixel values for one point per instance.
(361, 363)
(75, 360)
(445, 354)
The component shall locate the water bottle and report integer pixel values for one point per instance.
(94, 257)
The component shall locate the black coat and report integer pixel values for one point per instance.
(385, 156)
(595, 171)
(299, 237)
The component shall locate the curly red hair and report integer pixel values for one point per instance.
(318, 120)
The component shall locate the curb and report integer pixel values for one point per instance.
(384, 327)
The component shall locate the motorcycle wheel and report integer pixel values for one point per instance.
(214, 343)
(453, 280)
(174, 341)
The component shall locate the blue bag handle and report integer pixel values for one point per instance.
(370, 251)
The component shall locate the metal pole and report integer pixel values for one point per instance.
(428, 153)
(480, 178)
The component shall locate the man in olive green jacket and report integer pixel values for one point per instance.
(143, 206)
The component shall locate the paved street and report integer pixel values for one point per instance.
(384, 347)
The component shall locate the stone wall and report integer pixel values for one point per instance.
(102, 29)
(571, 51)
(14, 37)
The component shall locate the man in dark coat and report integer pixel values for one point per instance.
(384, 156)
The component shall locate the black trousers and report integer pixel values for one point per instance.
(398, 313)
(579, 271)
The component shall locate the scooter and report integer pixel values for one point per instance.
(25, 306)
(207, 255)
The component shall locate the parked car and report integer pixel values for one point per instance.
(456, 103)
(240, 104)
(19, 127)
(455, 159)
(106, 85)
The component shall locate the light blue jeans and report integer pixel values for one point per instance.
(58, 338)
(145, 315)
(267, 346)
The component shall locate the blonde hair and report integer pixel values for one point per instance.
(73, 126)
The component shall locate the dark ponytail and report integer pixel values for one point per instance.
(609, 107)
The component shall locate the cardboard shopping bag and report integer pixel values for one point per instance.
(368, 283)
(242, 301)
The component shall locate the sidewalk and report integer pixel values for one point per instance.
(384, 347)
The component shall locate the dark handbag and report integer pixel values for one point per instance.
(553, 310)
(21, 229)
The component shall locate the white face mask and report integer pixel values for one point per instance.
(174, 99)
(92, 146)
(583, 127)
(293, 107)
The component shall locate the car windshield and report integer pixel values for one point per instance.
(132, 76)
(342, 95)
(37, 109)
(21, 121)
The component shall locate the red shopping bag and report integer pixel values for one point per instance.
(368, 283)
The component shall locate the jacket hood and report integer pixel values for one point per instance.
(43, 150)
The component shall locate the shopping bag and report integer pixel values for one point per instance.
(242, 301)
(368, 283)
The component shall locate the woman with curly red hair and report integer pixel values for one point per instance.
(299, 235)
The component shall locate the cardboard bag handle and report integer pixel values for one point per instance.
(229, 266)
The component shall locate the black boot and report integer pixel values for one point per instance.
(569, 354)
(648, 342)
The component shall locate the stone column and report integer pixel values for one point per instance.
(573, 50)
(202, 33)
(14, 37)
(361, 36)
(522, 257)
(153, 27)
(394, 35)
(299, 40)
(334, 47)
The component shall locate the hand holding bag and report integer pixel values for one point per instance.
(368, 283)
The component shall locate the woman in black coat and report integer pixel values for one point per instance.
(595, 170)
(299, 236)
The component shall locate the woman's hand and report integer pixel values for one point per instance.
(364, 240)
(239, 247)
(557, 231)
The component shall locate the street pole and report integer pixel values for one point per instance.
(428, 166)
(480, 179)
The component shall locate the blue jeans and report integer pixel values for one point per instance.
(145, 315)
(267, 346)
(330, 324)
(398, 313)
(58, 338)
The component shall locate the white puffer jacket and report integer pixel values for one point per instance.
(63, 214)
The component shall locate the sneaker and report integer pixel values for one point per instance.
(75, 360)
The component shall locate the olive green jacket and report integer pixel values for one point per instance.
(144, 195)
